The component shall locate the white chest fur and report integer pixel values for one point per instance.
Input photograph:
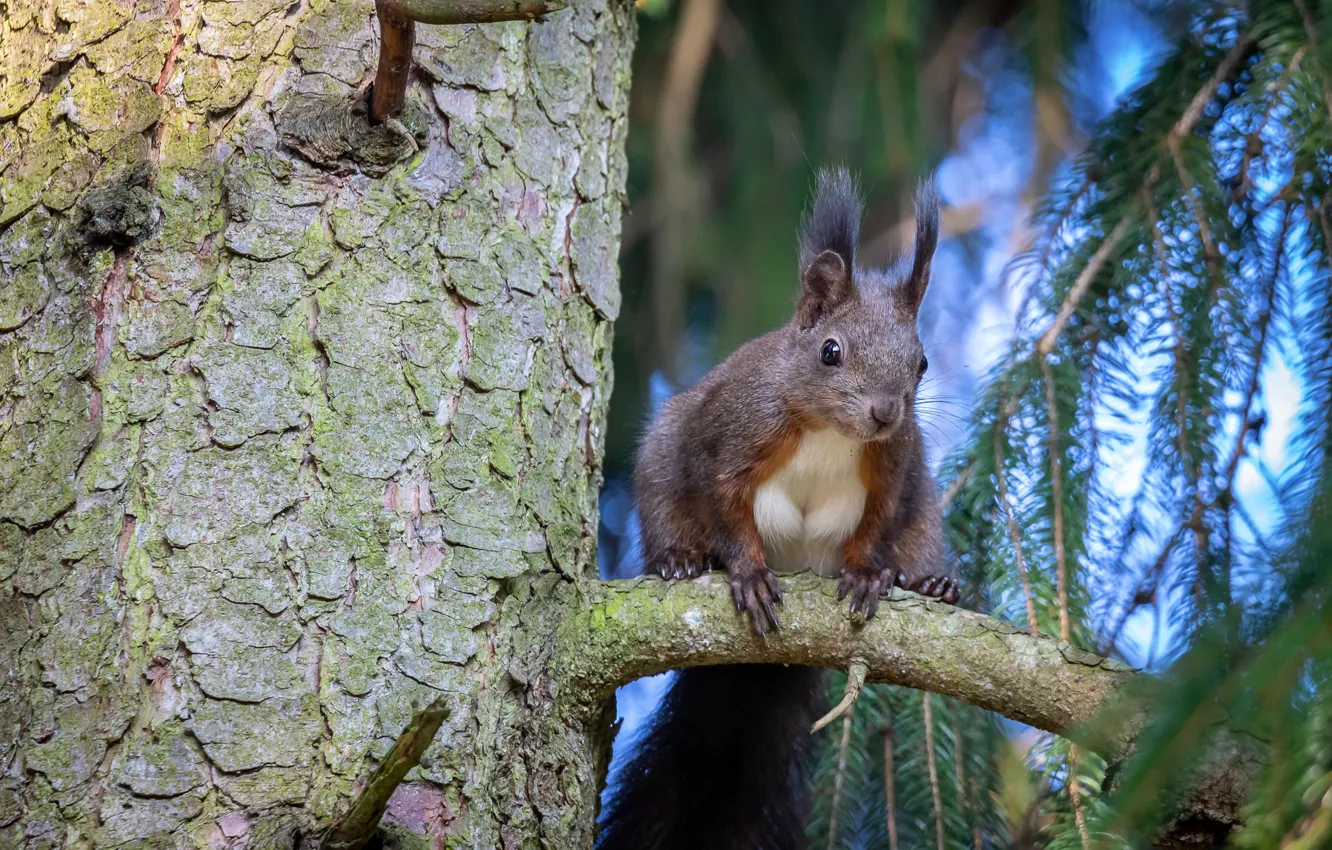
(812, 504)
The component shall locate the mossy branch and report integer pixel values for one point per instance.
(645, 626)
(641, 627)
(355, 829)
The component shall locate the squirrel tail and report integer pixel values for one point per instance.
(724, 764)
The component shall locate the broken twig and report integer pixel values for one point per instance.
(397, 36)
(354, 830)
(855, 680)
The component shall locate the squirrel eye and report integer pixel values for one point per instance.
(832, 353)
(924, 364)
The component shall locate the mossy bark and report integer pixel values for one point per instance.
(300, 419)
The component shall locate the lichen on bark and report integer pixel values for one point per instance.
(300, 439)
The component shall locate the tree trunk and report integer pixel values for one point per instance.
(300, 427)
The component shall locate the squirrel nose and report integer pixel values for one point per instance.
(886, 411)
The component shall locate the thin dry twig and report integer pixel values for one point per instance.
(397, 36)
(855, 680)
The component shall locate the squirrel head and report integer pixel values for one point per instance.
(855, 359)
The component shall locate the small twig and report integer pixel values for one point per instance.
(855, 680)
(837, 783)
(397, 36)
(355, 829)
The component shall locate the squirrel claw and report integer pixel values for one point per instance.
(942, 588)
(757, 594)
(678, 564)
(865, 587)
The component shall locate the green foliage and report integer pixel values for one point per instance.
(1208, 202)
(1179, 254)
(963, 744)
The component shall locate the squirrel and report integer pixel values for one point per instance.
(799, 451)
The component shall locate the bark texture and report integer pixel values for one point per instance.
(297, 416)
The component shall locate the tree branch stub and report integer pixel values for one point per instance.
(357, 827)
(397, 36)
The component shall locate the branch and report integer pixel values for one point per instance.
(1080, 287)
(355, 829)
(397, 36)
(1187, 121)
(626, 630)
(641, 627)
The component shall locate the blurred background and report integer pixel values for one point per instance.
(1154, 172)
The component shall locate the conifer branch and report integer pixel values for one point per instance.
(928, 722)
(1057, 497)
(889, 782)
(1187, 121)
(1080, 287)
(837, 781)
(1014, 532)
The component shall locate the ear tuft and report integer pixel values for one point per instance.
(828, 237)
(927, 239)
(832, 222)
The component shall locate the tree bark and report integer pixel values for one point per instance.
(297, 420)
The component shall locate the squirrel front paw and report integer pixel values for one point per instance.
(864, 584)
(756, 593)
(942, 588)
(683, 563)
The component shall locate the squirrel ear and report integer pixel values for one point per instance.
(825, 283)
(927, 239)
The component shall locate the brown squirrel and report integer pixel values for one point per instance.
(799, 451)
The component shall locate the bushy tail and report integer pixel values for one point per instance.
(724, 764)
